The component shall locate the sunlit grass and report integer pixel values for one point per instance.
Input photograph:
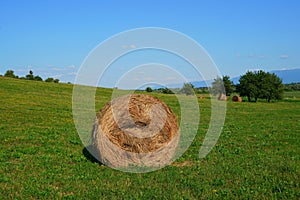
(256, 157)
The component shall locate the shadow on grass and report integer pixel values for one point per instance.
(91, 155)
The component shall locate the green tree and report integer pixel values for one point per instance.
(248, 86)
(56, 81)
(271, 87)
(10, 74)
(218, 87)
(228, 85)
(49, 80)
(30, 76)
(187, 89)
(149, 89)
(38, 78)
(167, 91)
(260, 84)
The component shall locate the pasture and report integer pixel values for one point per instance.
(256, 157)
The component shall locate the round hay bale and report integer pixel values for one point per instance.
(222, 97)
(135, 130)
(236, 99)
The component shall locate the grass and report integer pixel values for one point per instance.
(257, 155)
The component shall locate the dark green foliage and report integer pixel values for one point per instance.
(271, 87)
(248, 86)
(260, 84)
(167, 91)
(52, 80)
(187, 89)
(49, 80)
(56, 81)
(292, 87)
(148, 89)
(30, 76)
(228, 85)
(10, 74)
(202, 90)
(38, 78)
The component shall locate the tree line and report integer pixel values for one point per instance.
(29, 76)
(253, 85)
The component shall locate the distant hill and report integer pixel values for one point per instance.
(288, 75)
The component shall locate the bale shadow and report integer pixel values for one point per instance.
(92, 157)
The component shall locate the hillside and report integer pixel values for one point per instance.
(43, 157)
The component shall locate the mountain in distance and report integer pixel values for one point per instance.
(288, 75)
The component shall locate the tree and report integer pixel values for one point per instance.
(187, 89)
(149, 89)
(56, 81)
(30, 76)
(49, 80)
(218, 87)
(271, 87)
(38, 78)
(10, 74)
(228, 85)
(248, 86)
(167, 91)
(260, 84)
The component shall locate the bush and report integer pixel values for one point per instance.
(10, 74)
(149, 89)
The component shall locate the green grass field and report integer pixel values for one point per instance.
(256, 157)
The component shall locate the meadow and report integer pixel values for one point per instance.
(257, 155)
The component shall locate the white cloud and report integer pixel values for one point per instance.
(149, 79)
(261, 57)
(284, 56)
(57, 76)
(254, 70)
(21, 70)
(72, 73)
(131, 46)
(71, 67)
(170, 78)
(57, 69)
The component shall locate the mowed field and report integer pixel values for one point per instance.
(257, 155)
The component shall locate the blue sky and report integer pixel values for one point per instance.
(52, 38)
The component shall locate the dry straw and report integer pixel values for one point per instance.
(222, 97)
(236, 99)
(136, 130)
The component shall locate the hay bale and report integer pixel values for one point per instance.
(222, 97)
(135, 129)
(236, 99)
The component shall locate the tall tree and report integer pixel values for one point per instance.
(218, 87)
(187, 89)
(30, 76)
(248, 86)
(228, 85)
(271, 87)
